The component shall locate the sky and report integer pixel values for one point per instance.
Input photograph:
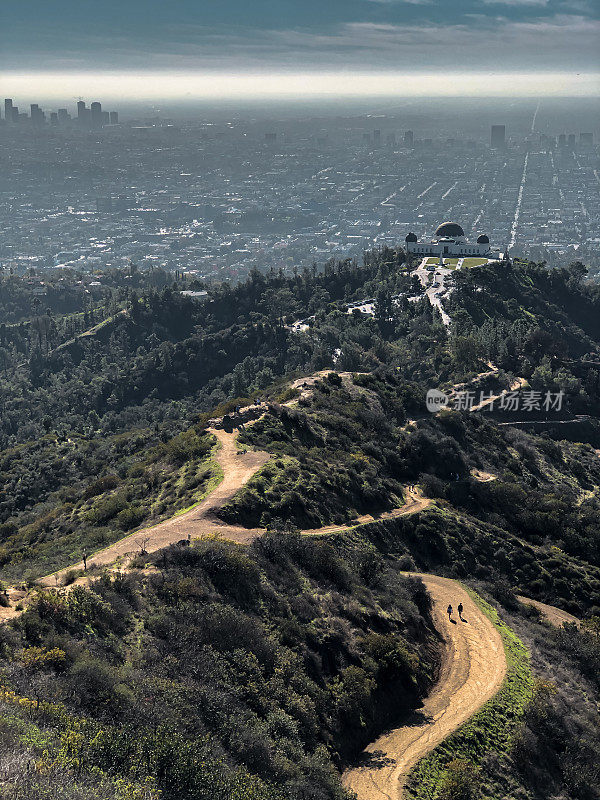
(145, 48)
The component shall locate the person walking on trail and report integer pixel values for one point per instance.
(460, 610)
(449, 610)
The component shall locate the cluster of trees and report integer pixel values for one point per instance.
(534, 322)
(165, 348)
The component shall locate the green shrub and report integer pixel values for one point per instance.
(460, 782)
(130, 517)
(106, 509)
(100, 486)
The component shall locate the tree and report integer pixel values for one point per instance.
(384, 310)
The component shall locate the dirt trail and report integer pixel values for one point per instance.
(482, 476)
(201, 521)
(413, 502)
(473, 668)
(555, 616)
(237, 468)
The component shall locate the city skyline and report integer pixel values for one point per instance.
(92, 117)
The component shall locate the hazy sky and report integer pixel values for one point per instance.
(269, 37)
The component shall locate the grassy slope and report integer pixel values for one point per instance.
(110, 487)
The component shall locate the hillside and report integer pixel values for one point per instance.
(211, 670)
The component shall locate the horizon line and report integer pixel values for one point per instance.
(317, 84)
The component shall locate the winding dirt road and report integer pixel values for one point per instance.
(413, 502)
(472, 670)
(202, 520)
(473, 663)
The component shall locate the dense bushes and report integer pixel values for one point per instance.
(272, 665)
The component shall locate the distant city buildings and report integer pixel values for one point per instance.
(93, 117)
(498, 136)
(212, 200)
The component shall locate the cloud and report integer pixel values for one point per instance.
(473, 42)
(402, 2)
(538, 3)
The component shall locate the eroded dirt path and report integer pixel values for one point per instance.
(201, 521)
(413, 502)
(473, 668)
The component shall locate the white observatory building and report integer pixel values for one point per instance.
(449, 240)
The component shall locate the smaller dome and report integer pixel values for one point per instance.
(449, 230)
(483, 239)
(411, 237)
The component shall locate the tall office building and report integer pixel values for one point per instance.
(63, 115)
(53, 118)
(562, 139)
(81, 110)
(8, 107)
(498, 138)
(586, 139)
(409, 138)
(571, 140)
(114, 117)
(377, 138)
(96, 110)
(37, 115)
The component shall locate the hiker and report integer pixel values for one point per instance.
(460, 610)
(84, 561)
(449, 610)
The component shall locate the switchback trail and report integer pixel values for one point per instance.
(472, 670)
(202, 520)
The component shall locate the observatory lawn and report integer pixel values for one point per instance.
(452, 263)
(474, 262)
